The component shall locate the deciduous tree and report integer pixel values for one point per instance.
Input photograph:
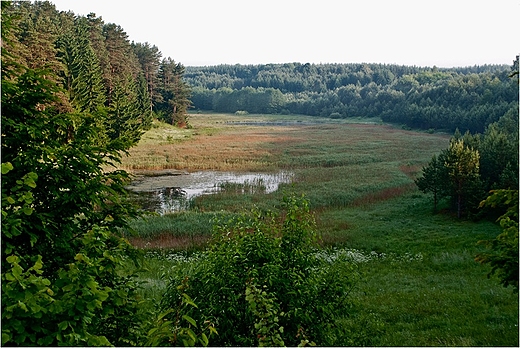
(63, 275)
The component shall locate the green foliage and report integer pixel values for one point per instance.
(472, 165)
(433, 179)
(173, 97)
(462, 165)
(180, 330)
(260, 282)
(468, 98)
(87, 302)
(265, 310)
(63, 277)
(503, 250)
(82, 74)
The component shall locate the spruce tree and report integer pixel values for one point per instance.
(149, 58)
(83, 77)
(174, 91)
(433, 179)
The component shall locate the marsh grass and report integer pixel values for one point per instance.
(420, 278)
(187, 230)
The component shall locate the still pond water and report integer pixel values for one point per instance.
(170, 193)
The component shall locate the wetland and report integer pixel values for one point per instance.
(421, 281)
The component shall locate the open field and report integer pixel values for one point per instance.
(419, 275)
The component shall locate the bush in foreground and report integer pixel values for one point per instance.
(261, 284)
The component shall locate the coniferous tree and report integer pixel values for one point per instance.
(434, 178)
(83, 76)
(127, 117)
(174, 92)
(97, 42)
(149, 58)
(462, 165)
(125, 114)
(497, 153)
(122, 61)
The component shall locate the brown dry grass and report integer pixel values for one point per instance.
(220, 142)
(231, 148)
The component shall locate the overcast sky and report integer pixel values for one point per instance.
(445, 33)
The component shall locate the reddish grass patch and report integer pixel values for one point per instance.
(411, 171)
(383, 195)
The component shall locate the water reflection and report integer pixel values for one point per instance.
(170, 193)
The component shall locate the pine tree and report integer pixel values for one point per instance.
(149, 58)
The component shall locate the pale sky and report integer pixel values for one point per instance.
(444, 33)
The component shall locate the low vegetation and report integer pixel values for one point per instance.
(417, 276)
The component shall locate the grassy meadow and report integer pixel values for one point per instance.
(419, 274)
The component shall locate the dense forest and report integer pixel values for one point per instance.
(428, 98)
(98, 67)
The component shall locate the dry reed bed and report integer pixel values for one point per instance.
(231, 149)
(254, 148)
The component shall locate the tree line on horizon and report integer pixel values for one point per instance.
(468, 98)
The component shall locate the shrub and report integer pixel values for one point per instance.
(261, 283)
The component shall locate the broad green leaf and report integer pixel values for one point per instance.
(204, 339)
(22, 306)
(12, 259)
(63, 325)
(190, 320)
(6, 168)
(163, 314)
(5, 338)
(192, 335)
(189, 301)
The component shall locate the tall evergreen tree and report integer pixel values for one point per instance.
(434, 178)
(127, 117)
(462, 164)
(174, 92)
(122, 61)
(97, 41)
(498, 152)
(149, 57)
(83, 77)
